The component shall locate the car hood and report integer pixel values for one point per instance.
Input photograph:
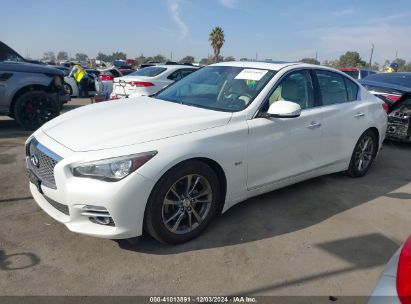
(29, 68)
(131, 121)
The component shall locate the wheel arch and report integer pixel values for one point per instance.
(214, 165)
(375, 131)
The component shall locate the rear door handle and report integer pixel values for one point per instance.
(359, 115)
(314, 125)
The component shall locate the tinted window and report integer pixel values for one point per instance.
(332, 87)
(177, 75)
(401, 79)
(296, 87)
(115, 73)
(149, 71)
(352, 90)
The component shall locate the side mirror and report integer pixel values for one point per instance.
(284, 109)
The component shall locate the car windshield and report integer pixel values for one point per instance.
(221, 88)
(148, 72)
(400, 79)
(7, 54)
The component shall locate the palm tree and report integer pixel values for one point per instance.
(217, 41)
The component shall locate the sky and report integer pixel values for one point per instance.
(267, 29)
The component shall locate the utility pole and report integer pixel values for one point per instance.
(396, 54)
(171, 56)
(372, 51)
(256, 56)
(316, 55)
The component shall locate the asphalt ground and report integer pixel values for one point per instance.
(329, 236)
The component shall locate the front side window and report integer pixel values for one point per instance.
(221, 88)
(296, 87)
(332, 87)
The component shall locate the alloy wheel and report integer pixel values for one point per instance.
(187, 204)
(364, 153)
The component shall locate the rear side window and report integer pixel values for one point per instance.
(179, 74)
(352, 90)
(149, 72)
(332, 87)
(115, 73)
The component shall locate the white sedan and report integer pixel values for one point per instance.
(149, 80)
(223, 134)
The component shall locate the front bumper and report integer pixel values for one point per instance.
(125, 200)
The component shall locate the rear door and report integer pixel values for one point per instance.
(343, 116)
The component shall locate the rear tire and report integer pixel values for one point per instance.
(183, 203)
(34, 108)
(363, 154)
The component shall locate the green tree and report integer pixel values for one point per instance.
(401, 64)
(118, 56)
(351, 59)
(206, 61)
(216, 39)
(310, 61)
(103, 57)
(159, 58)
(49, 56)
(62, 55)
(243, 59)
(187, 59)
(80, 57)
(229, 58)
(332, 63)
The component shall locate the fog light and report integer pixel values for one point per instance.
(97, 215)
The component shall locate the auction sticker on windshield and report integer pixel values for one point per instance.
(251, 74)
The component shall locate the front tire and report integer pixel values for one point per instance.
(68, 88)
(34, 108)
(183, 203)
(363, 155)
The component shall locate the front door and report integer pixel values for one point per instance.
(281, 148)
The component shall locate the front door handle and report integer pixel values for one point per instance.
(314, 125)
(359, 115)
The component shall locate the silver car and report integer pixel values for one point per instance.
(394, 284)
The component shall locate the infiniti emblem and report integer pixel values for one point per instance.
(34, 160)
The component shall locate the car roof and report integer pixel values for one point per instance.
(174, 66)
(261, 65)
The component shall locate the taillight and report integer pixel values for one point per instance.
(393, 97)
(106, 77)
(141, 83)
(404, 274)
(385, 107)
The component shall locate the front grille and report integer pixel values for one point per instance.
(60, 207)
(43, 164)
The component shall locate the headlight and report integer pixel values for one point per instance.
(112, 169)
(57, 81)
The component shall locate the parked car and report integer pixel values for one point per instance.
(219, 136)
(394, 284)
(149, 80)
(107, 76)
(30, 93)
(357, 73)
(395, 90)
